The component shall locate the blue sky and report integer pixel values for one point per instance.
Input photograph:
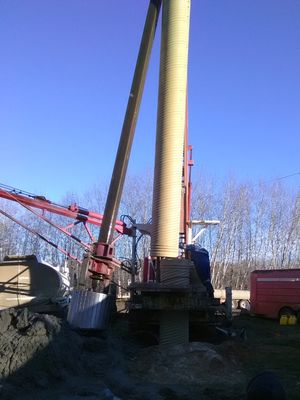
(65, 74)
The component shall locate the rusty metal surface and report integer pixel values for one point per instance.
(157, 287)
(171, 301)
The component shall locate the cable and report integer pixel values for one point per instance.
(11, 189)
(284, 177)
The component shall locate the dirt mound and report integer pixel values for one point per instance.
(184, 364)
(41, 357)
(23, 334)
(36, 349)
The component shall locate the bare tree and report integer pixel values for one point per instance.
(260, 225)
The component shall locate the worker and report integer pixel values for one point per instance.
(265, 386)
(200, 258)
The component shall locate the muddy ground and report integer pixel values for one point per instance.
(41, 358)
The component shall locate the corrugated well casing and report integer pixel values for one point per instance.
(170, 128)
(89, 310)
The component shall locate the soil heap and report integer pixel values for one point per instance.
(42, 358)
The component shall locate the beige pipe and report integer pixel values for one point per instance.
(170, 128)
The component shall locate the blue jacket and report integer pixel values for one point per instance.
(200, 257)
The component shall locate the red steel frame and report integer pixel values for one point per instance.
(72, 211)
(79, 214)
(186, 181)
(40, 236)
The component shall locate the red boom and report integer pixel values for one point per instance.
(72, 211)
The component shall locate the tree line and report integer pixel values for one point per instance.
(259, 226)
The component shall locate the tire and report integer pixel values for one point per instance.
(235, 305)
(244, 304)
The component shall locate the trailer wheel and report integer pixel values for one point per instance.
(286, 311)
(244, 304)
(235, 304)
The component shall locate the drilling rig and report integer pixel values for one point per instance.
(176, 292)
(175, 297)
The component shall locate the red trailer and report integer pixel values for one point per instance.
(275, 292)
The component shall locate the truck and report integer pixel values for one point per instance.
(240, 298)
(274, 293)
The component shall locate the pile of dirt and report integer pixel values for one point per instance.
(186, 372)
(41, 357)
(184, 364)
(24, 336)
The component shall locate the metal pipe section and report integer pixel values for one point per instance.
(228, 303)
(128, 129)
(170, 128)
(174, 328)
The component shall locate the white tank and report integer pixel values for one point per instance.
(26, 281)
